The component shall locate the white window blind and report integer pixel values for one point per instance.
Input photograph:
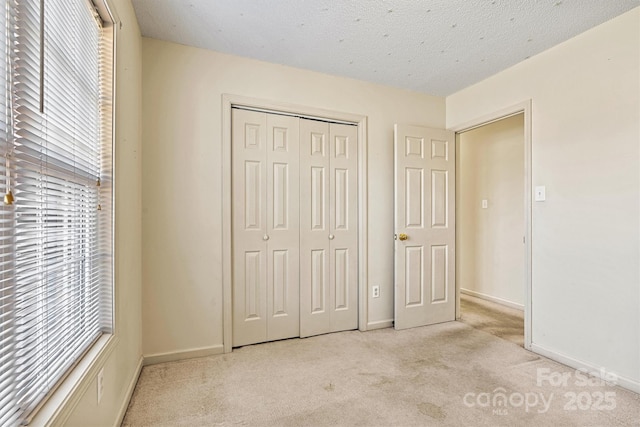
(7, 329)
(56, 236)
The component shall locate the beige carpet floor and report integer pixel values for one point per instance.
(451, 374)
(498, 320)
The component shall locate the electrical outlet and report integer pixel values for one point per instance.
(100, 382)
(376, 291)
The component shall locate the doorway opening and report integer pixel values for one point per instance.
(491, 227)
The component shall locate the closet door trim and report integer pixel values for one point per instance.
(228, 102)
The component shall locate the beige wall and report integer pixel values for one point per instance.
(182, 96)
(121, 366)
(585, 148)
(489, 247)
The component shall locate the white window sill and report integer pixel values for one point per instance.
(61, 403)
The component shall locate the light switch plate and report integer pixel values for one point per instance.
(485, 204)
(541, 193)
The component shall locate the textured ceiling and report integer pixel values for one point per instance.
(432, 46)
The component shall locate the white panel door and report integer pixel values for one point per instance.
(249, 217)
(315, 228)
(424, 225)
(265, 228)
(343, 223)
(328, 233)
(283, 227)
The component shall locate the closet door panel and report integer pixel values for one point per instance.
(283, 227)
(329, 230)
(315, 258)
(249, 226)
(344, 227)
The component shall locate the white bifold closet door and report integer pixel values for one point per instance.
(328, 227)
(266, 228)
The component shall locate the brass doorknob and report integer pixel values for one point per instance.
(402, 236)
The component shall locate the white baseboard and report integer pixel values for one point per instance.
(379, 324)
(623, 382)
(153, 359)
(497, 300)
(129, 392)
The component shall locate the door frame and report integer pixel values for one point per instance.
(525, 109)
(229, 101)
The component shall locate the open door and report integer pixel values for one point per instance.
(424, 226)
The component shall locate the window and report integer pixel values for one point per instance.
(56, 174)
